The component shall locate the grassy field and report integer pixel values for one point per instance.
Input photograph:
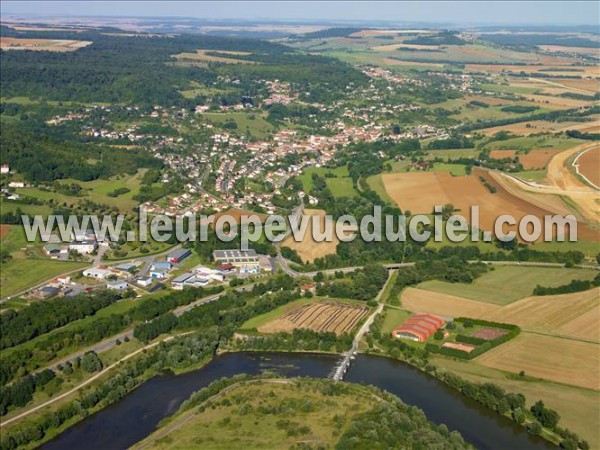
(455, 169)
(31, 210)
(531, 175)
(393, 318)
(252, 123)
(306, 177)
(341, 187)
(504, 285)
(96, 191)
(531, 142)
(20, 273)
(453, 153)
(375, 182)
(221, 425)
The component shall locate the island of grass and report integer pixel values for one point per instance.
(278, 413)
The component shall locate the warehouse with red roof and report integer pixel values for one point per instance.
(418, 327)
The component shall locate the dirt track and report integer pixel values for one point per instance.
(562, 181)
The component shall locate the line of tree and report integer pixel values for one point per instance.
(47, 315)
(573, 286)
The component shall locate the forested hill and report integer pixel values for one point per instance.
(141, 69)
(42, 157)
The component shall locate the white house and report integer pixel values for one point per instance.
(117, 285)
(5, 168)
(145, 282)
(208, 273)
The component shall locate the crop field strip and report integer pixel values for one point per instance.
(324, 316)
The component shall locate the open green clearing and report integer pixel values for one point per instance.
(530, 175)
(96, 191)
(306, 177)
(251, 123)
(456, 170)
(503, 285)
(393, 318)
(375, 182)
(20, 273)
(531, 142)
(453, 153)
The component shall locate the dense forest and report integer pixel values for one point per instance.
(140, 69)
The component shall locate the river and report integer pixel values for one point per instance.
(135, 416)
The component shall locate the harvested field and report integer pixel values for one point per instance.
(457, 346)
(561, 181)
(548, 357)
(419, 192)
(239, 214)
(49, 45)
(537, 158)
(501, 154)
(492, 101)
(420, 300)
(566, 314)
(308, 249)
(219, 56)
(562, 102)
(535, 126)
(591, 86)
(489, 334)
(589, 165)
(586, 326)
(326, 316)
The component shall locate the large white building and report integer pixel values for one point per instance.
(96, 272)
(83, 247)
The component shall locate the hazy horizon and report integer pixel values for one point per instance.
(533, 13)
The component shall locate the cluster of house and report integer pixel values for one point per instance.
(279, 92)
(112, 278)
(83, 242)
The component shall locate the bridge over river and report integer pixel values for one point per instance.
(341, 367)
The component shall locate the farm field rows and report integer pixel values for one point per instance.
(420, 192)
(589, 165)
(561, 360)
(326, 316)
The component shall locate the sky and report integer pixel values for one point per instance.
(463, 12)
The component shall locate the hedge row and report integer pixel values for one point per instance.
(513, 330)
(458, 353)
